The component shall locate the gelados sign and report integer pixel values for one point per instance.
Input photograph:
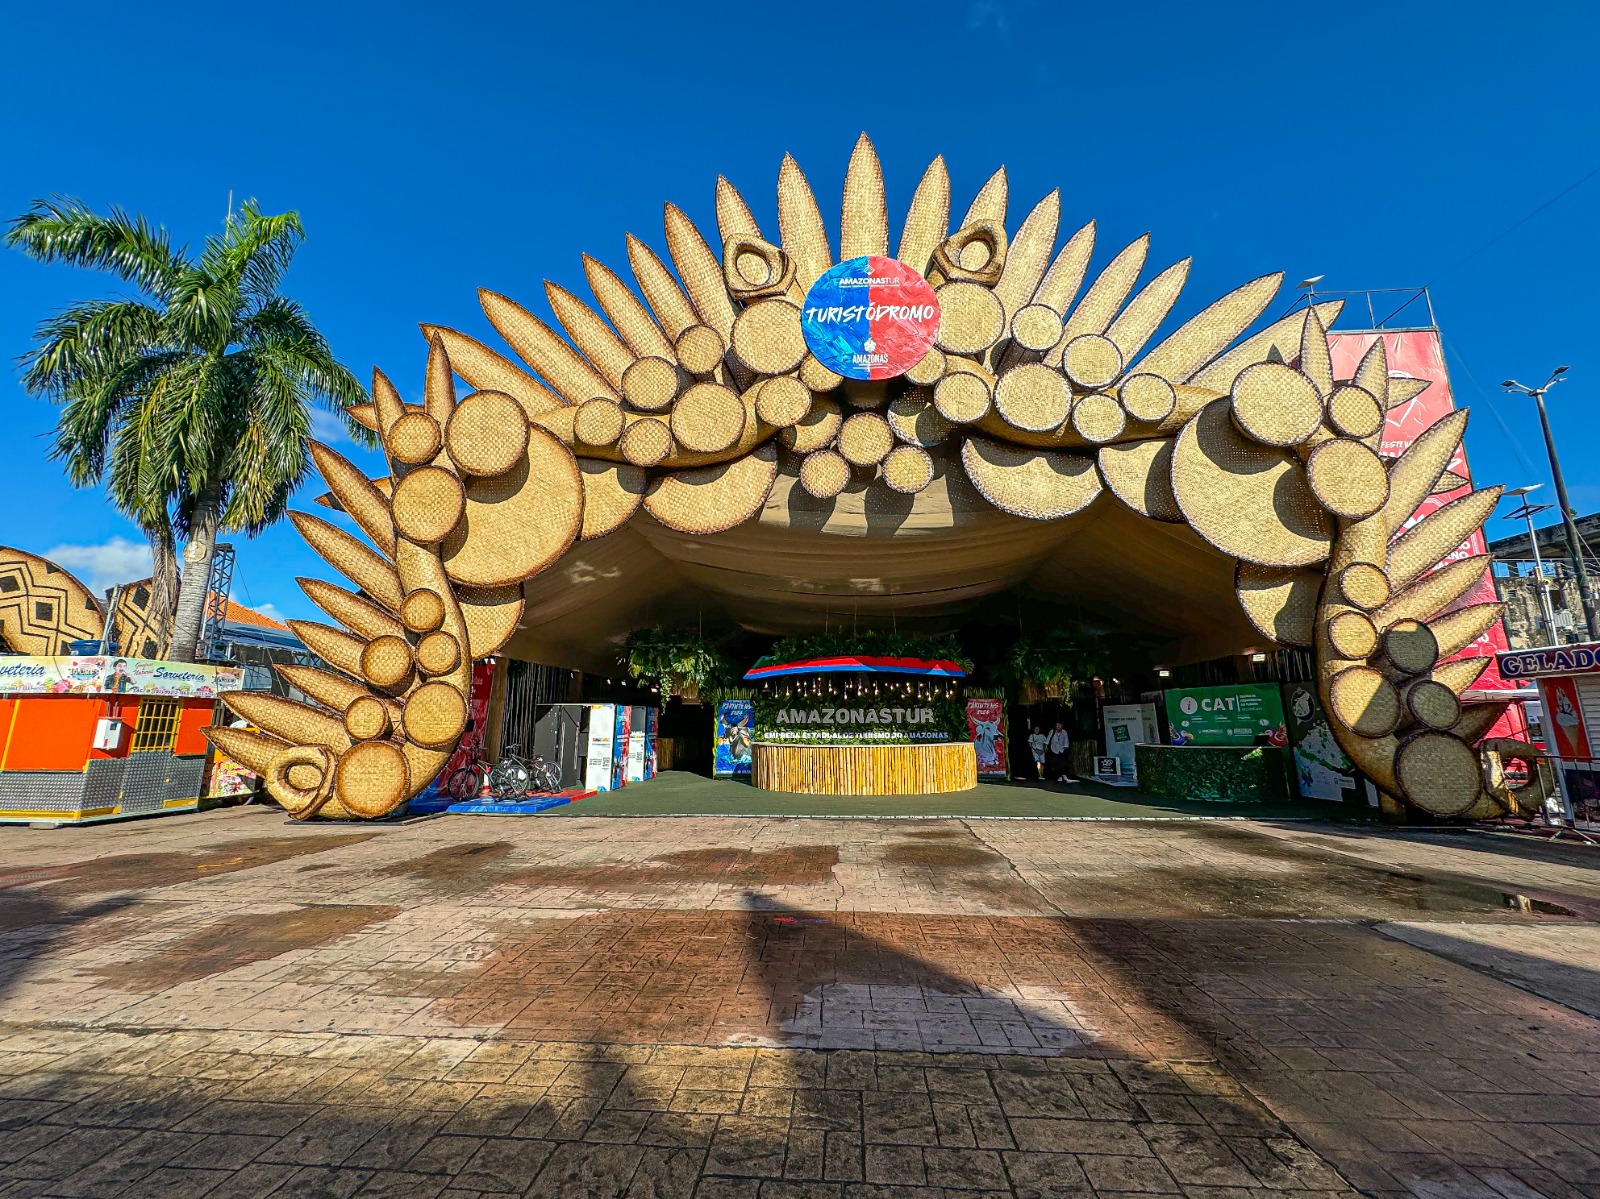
(1534, 663)
(870, 318)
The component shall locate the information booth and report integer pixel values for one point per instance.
(102, 738)
(860, 725)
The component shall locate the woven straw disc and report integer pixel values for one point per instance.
(700, 349)
(487, 433)
(1091, 361)
(817, 429)
(366, 718)
(782, 401)
(1275, 404)
(598, 422)
(976, 252)
(646, 442)
(422, 611)
(1347, 478)
(1036, 327)
(971, 318)
(371, 779)
(518, 523)
(865, 439)
(1139, 474)
(650, 384)
(713, 499)
(824, 474)
(435, 715)
(1354, 411)
(767, 337)
(1431, 703)
(1410, 647)
(1148, 397)
(1353, 635)
(1282, 604)
(386, 661)
(1364, 701)
(1037, 484)
(915, 420)
(961, 397)
(428, 503)
(865, 393)
(303, 776)
(707, 419)
(413, 439)
(928, 370)
(491, 615)
(612, 492)
(817, 377)
(1364, 585)
(908, 469)
(1098, 418)
(1248, 501)
(1439, 773)
(438, 653)
(1032, 397)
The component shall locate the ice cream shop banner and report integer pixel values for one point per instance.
(116, 676)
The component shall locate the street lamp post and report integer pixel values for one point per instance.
(1574, 544)
(1527, 512)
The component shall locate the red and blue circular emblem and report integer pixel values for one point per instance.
(870, 318)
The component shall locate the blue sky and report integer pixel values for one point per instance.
(434, 149)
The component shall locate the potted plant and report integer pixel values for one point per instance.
(1055, 666)
(679, 663)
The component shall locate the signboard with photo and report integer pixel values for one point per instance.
(735, 730)
(986, 725)
(116, 676)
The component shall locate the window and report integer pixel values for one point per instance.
(157, 728)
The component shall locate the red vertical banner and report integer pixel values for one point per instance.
(470, 746)
(1563, 718)
(1419, 354)
(986, 725)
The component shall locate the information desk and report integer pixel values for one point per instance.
(925, 768)
(1222, 772)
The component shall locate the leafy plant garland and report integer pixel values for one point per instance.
(677, 662)
(870, 643)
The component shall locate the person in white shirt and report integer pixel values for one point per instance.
(1057, 764)
(1036, 743)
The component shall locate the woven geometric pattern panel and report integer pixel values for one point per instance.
(42, 607)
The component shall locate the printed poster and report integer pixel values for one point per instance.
(1321, 770)
(602, 740)
(115, 676)
(986, 725)
(1125, 728)
(1236, 714)
(735, 730)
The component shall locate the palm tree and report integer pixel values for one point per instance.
(193, 400)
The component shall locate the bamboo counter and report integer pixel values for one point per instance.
(931, 768)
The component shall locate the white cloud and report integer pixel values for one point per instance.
(326, 427)
(101, 566)
(270, 611)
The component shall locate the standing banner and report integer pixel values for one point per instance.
(1419, 354)
(1321, 770)
(619, 747)
(1125, 728)
(636, 746)
(652, 726)
(735, 729)
(602, 739)
(470, 747)
(1235, 714)
(986, 725)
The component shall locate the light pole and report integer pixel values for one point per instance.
(1574, 545)
(1527, 512)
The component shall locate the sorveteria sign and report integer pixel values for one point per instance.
(1531, 663)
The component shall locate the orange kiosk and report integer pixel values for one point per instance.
(85, 739)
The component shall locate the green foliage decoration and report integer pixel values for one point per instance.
(675, 661)
(949, 721)
(871, 643)
(1213, 772)
(1062, 658)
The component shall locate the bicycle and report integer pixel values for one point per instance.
(510, 779)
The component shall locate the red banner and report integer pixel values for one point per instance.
(1418, 354)
(986, 725)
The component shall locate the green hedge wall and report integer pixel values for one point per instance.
(1230, 773)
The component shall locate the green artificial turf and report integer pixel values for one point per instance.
(679, 793)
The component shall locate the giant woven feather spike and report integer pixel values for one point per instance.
(685, 408)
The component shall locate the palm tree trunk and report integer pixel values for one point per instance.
(197, 554)
(163, 580)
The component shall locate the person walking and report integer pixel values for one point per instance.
(1058, 765)
(1036, 743)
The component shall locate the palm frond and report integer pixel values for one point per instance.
(94, 338)
(63, 229)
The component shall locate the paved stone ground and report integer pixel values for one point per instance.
(227, 1005)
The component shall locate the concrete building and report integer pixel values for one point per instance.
(1518, 584)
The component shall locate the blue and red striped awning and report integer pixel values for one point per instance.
(940, 668)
